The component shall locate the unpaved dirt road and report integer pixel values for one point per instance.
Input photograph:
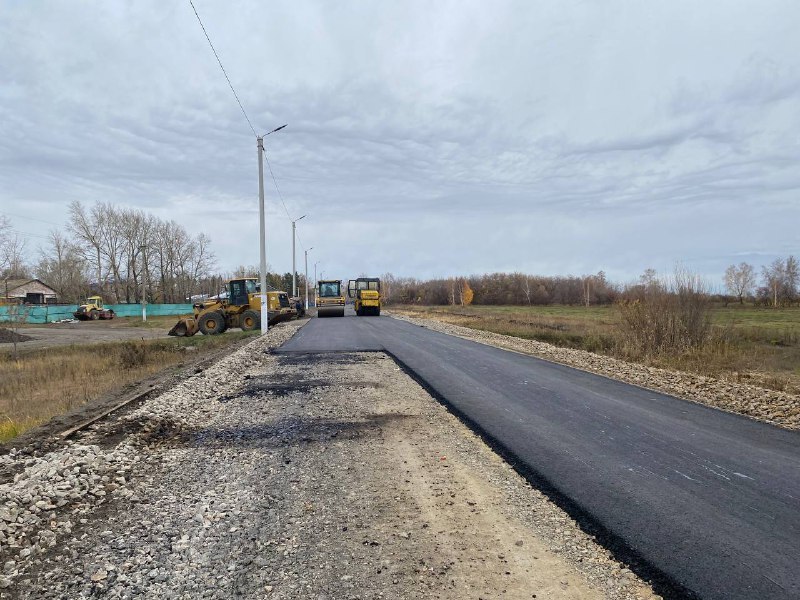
(83, 332)
(289, 476)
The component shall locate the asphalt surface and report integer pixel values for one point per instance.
(708, 498)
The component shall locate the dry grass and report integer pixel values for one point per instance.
(753, 345)
(49, 382)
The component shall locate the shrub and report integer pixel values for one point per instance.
(661, 317)
(133, 354)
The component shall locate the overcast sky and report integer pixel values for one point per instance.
(425, 138)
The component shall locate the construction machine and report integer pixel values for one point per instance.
(241, 308)
(330, 298)
(366, 295)
(93, 309)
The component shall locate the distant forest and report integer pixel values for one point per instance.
(778, 284)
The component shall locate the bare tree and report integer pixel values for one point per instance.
(774, 277)
(526, 288)
(87, 230)
(740, 280)
(63, 268)
(130, 249)
(12, 251)
(649, 278)
(587, 289)
(791, 272)
(12, 258)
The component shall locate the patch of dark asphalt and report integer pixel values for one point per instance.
(662, 583)
(293, 431)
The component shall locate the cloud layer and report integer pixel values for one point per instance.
(424, 138)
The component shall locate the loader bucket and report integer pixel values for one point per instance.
(186, 327)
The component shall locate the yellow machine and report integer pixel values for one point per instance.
(92, 309)
(366, 295)
(242, 308)
(330, 298)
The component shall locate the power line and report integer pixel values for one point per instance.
(235, 95)
(8, 214)
(286, 210)
(35, 235)
(275, 183)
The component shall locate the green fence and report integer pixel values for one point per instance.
(51, 313)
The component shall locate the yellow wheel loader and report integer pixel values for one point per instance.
(330, 298)
(241, 308)
(366, 295)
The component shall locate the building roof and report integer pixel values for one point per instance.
(13, 284)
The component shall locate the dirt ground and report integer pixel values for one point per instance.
(82, 332)
(275, 476)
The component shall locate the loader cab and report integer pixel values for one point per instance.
(239, 291)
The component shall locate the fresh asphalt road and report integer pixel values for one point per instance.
(710, 499)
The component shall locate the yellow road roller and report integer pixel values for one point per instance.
(330, 298)
(366, 295)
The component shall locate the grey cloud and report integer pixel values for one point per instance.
(464, 137)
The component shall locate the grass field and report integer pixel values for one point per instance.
(48, 382)
(756, 345)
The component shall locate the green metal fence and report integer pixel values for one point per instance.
(51, 313)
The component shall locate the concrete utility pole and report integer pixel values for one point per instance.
(263, 230)
(315, 274)
(294, 268)
(144, 282)
(307, 251)
(262, 238)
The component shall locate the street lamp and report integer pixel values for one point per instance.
(307, 251)
(294, 268)
(315, 282)
(263, 230)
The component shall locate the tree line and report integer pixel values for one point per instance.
(120, 253)
(778, 285)
(123, 255)
(500, 289)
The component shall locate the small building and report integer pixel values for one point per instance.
(27, 291)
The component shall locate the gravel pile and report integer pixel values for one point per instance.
(7, 336)
(50, 493)
(778, 408)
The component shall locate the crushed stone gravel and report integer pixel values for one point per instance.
(290, 476)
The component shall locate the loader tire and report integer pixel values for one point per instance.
(94, 315)
(211, 323)
(250, 320)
